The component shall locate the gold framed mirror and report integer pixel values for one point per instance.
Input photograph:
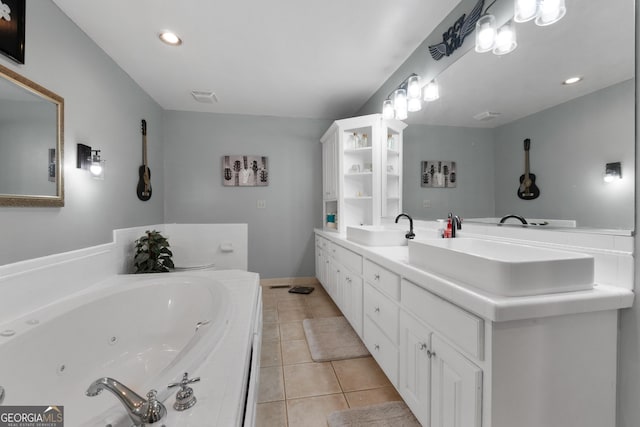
(31, 143)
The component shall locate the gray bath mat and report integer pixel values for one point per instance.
(332, 338)
(389, 414)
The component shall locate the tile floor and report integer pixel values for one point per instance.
(295, 391)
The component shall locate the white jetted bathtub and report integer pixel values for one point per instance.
(145, 331)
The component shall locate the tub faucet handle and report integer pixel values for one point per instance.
(185, 398)
(154, 409)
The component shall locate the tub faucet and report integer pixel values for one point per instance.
(410, 234)
(456, 223)
(141, 411)
(518, 217)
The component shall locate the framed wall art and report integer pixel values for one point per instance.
(12, 22)
(438, 174)
(245, 171)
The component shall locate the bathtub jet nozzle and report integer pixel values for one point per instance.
(140, 411)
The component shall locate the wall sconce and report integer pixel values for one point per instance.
(90, 160)
(613, 172)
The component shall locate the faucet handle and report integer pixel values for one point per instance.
(154, 409)
(185, 398)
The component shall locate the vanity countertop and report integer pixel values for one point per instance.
(492, 307)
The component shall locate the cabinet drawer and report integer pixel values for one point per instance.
(461, 327)
(347, 258)
(322, 243)
(387, 281)
(383, 350)
(382, 311)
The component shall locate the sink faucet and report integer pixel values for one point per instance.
(456, 223)
(410, 234)
(141, 411)
(518, 217)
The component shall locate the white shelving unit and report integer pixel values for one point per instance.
(362, 171)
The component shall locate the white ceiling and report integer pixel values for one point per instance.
(289, 58)
(324, 59)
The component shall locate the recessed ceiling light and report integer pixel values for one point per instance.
(572, 80)
(170, 38)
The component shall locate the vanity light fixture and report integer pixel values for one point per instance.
(431, 91)
(170, 38)
(505, 39)
(414, 93)
(89, 159)
(612, 172)
(572, 80)
(97, 165)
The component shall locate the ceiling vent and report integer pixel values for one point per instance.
(204, 97)
(486, 115)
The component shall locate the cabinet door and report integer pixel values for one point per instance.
(456, 389)
(333, 279)
(329, 168)
(352, 299)
(415, 366)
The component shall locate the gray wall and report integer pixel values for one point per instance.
(280, 235)
(471, 149)
(103, 108)
(629, 337)
(570, 145)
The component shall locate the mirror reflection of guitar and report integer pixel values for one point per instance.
(144, 183)
(528, 189)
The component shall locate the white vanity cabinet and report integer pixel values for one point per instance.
(470, 361)
(362, 171)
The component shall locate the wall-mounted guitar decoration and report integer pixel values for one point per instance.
(528, 189)
(144, 183)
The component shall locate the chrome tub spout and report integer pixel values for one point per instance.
(140, 410)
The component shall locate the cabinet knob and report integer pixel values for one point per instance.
(377, 310)
(431, 354)
(376, 277)
(377, 347)
(423, 346)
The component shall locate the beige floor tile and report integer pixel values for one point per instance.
(290, 315)
(310, 379)
(324, 311)
(291, 331)
(313, 411)
(272, 414)
(360, 374)
(269, 315)
(373, 396)
(270, 332)
(271, 387)
(270, 355)
(288, 304)
(294, 352)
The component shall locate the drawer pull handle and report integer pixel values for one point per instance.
(377, 347)
(431, 354)
(423, 346)
(376, 277)
(377, 310)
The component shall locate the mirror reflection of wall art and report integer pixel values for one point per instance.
(245, 171)
(12, 29)
(438, 174)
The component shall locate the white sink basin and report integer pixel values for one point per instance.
(504, 268)
(373, 235)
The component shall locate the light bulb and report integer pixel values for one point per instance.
(506, 39)
(95, 169)
(485, 33)
(414, 104)
(431, 91)
(551, 11)
(170, 38)
(413, 87)
(387, 109)
(400, 103)
(525, 10)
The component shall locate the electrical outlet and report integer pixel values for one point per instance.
(262, 204)
(426, 203)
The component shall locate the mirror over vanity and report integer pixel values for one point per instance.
(31, 143)
(574, 130)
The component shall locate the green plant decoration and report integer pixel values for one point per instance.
(152, 254)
